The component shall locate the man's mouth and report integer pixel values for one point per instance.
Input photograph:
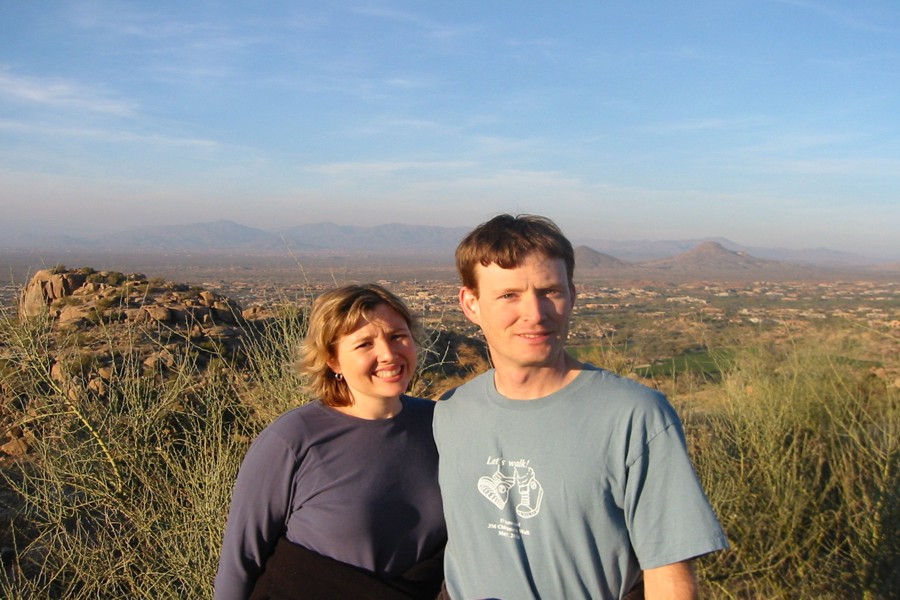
(535, 336)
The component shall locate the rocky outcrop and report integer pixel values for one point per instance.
(48, 286)
(84, 297)
(95, 330)
(100, 323)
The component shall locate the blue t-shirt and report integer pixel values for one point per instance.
(361, 491)
(566, 496)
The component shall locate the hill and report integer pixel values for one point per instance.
(711, 260)
(588, 258)
(418, 250)
(216, 235)
(389, 238)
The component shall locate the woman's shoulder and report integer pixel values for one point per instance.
(296, 421)
(418, 406)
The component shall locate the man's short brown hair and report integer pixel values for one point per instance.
(507, 241)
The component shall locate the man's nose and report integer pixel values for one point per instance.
(531, 307)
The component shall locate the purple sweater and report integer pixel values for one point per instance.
(359, 491)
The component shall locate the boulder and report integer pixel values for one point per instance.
(160, 314)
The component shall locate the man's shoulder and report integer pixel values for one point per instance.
(596, 378)
(466, 391)
(620, 393)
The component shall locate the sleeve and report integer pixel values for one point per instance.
(668, 515)
(260, 505)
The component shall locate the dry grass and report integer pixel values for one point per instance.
(127, 492)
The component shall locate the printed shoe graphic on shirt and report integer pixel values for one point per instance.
(531, 492)
(496, 488)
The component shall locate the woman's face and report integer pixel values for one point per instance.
(377, 358)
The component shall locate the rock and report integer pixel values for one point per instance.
(220, 331)
(879, 372)
(97, 385)
(160, 361)
(160, 314)
(76, 315)
(15, 447)
(34, 300)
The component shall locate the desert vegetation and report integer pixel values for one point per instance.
(118, 485)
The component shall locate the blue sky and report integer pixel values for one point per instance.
(769, 122)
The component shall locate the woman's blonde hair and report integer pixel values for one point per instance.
(334, 314)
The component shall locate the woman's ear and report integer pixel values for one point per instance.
(334, 364)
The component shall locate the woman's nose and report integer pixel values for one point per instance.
(384, 349)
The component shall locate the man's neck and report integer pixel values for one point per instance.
(531, 383)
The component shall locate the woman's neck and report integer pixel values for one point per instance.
(373, 409)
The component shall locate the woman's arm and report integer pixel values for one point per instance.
(256, 519)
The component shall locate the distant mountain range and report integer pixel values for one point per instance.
(707, 256)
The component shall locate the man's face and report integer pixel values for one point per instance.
(524, 311)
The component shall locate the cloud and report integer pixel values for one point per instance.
(852, 18)
(702, 124)
(543, 48)
(855, 166)
(429, 27)
(104, 135)
(128, 21)
(368, 169)
(61, 93)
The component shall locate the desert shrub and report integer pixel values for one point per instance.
(78, 364)
(156, 284)
(68, 301)
(801, 464)
(115, 278)
(113, 300)
(126, 494)
(270, 350)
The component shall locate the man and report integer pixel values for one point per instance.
(559, 480)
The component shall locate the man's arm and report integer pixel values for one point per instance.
(671, 582)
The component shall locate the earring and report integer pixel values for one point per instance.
(338, 376)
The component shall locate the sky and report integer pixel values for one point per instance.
(772, 123)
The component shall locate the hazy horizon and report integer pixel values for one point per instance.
(13, 239)
(772, 123)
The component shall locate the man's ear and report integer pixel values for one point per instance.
(468, 301)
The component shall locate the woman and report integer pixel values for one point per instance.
(339, 498)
